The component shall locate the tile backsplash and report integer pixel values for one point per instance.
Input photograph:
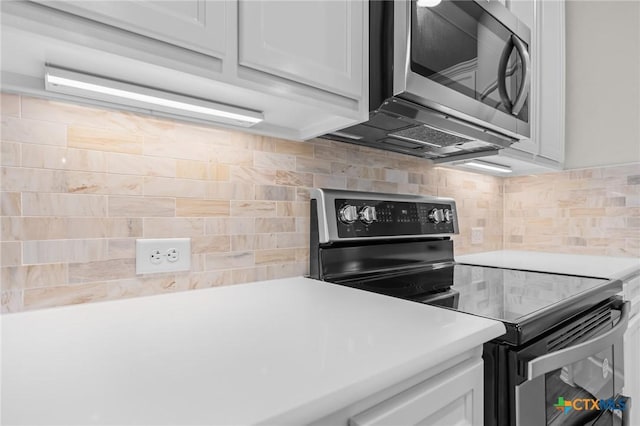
(80, 184)
(590, 211)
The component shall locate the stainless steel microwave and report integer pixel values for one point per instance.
(447, 81)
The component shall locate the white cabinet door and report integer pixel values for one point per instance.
(316, 43)
(197, 25)
(452, 398)
(632, 368)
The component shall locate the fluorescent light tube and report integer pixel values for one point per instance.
(93, 87)
(488, 166)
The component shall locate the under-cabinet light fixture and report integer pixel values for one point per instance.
(488, 166)
(94, 87)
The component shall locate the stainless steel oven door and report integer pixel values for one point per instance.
(466, 59)
(577, 385)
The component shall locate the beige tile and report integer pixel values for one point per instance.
(173, 227)
(141, 207)
(171, 187)
(293, 240)
(140, 165)
(63, 251)
(211, 244)
(10, 105)
(34, 276)
(10, 153)
(10, 203)
(330, 153)
(43, 204)
(121, 248)
(102, 270)
(285, 177)
(275, 192)
(11, 301)
(253, 208)
(104, 140)
(102, 183)
(103, 228)
(267, 257)
(32, 180)
(190, 169)
(246, 275)
(232, 260)
(253, 242)
(328, 181)
(234, 156)
(229, 226)
(219, 172)
(64, 295)
(67, 113)
(201, 208)
(33, 131)
(51, 157)
(11, 253)
(293, 208)
(252, 175)
(273, 161)
(230, 191)
(312, 165)
(299, 149)
(209, 279)
(275, 224)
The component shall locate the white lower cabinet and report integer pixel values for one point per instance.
(454, 397)
(632, 350)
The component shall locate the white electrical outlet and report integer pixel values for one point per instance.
(477, 235)
(163, 255)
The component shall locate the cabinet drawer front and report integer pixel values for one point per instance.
(316, 43)
(197, 25)
(454, 397)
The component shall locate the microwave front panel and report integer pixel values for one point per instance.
(450, 58)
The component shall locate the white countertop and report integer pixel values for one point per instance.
(574, 264)
(241, 354)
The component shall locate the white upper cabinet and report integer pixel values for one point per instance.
(197, 25)
(316, 43)
(302, 65)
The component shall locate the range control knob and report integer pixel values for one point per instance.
(436, 216)
(368, 215)
(448, 216)
(348, 214)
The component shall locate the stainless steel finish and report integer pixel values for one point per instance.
(436, 215)
(530, 403)
(368, 214)
(448, 216)
(523, 92)
(544, 364)
(348, 214)
(412, 86)
(327, 226)
(405, 138)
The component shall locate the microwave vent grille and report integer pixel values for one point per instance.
(430, 136)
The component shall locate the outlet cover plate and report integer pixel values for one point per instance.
(477, 235)
(145, 247)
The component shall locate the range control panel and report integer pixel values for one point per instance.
(375, 218)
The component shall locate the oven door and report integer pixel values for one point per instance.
(579, 381)
(467, 59)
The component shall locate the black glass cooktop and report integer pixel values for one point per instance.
(528, 303)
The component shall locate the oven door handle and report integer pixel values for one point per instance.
(546, 363)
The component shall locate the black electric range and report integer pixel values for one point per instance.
(401, 246)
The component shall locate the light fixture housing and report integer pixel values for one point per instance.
(74, 83)
(488, 166)
(428, 3)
